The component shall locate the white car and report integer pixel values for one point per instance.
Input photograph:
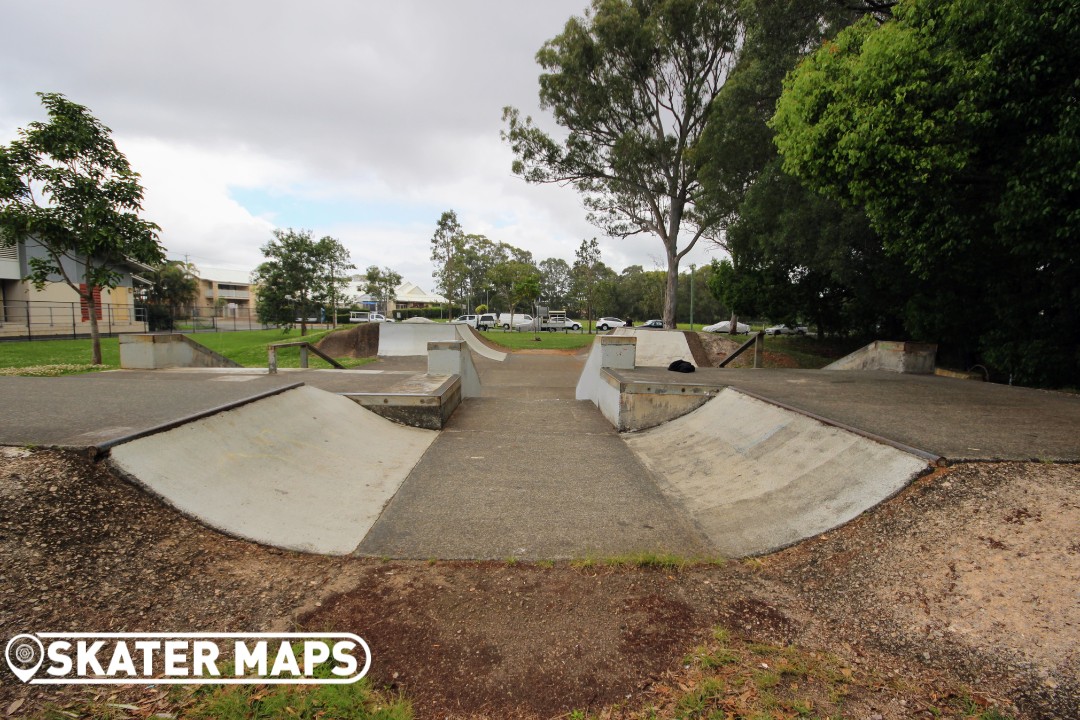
(785, 330)
(572, 324)
(607, 323)
(725, 326)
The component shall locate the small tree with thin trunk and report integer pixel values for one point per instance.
(66, 186)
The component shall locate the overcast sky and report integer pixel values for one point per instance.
(357, 119)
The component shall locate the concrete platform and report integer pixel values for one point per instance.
(954, 419)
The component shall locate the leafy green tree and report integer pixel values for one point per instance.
(337, 263)
(173, 285)
(381, 284)
(509, 278)
(632, 83)
(447, 253)
(298, 276)
(555, 281)
(65, 185)
(586, 277)
(955, 125)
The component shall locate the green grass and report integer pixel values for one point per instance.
(41, 353)
(247, 347)
(548, 340)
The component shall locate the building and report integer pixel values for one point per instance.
(230, 292)
(57, 310)
(407, 295)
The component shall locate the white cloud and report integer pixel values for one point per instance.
(365, 120)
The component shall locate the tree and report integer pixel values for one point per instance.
(336, 261)
(447, 251)
(587, 277)
(555, 281)
(955, 125)
(632, 82)
(65, 185)
(381, 284)
(173, 285)
(510, 280)
(298, 277)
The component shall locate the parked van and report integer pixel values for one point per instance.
(506, 320)
(363, 316)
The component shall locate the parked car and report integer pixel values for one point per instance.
(469, 320)
(653, 324)
(572, 324)
(486, 321)
(725, 326)
(785, 330)
(607, 323)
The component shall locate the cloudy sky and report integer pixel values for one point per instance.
(357, 119)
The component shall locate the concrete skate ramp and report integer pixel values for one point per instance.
(477, 345)
(304, 470)
(399, 339)
(658, 348)
(756, 477)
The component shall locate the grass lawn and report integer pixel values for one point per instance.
(548, 340)
(65, 357)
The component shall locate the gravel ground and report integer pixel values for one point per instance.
(964, 585)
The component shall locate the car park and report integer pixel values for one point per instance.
(607, 323)
(725, 326)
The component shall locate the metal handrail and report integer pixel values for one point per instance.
(758, 343)
(304, 348)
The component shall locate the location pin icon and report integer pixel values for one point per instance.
(24, 655)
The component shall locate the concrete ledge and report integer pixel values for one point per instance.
(156, 351)
(894, 356)
(428, 410)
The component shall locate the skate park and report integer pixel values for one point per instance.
(449, 448)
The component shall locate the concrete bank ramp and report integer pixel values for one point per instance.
(407, 339)
(658, 348)
(303, 470)
(756, 477)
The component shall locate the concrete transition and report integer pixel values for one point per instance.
(403, 339)
(154, 351)
(304, 470)
(631, 406)
(901, 357)
(756, 477)
(658, 348)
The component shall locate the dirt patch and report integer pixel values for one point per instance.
(963, 587)
(717, 347)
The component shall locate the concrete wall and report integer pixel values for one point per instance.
(154, 351)
(406, 339)
(901, 357)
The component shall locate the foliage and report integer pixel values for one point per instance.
(174, 284)
(381, 284)
(955, 125)
(632, 83)
(555, 282)
(590, 279)
(66, 186)
(298, 277)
